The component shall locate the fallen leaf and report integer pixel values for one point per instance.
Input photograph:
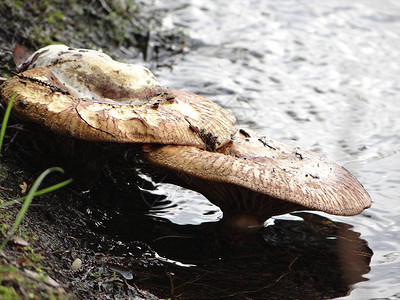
(23, 187)
(19, 241)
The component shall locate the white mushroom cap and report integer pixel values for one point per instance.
(93, 74)
(90, 96)
(259, 177)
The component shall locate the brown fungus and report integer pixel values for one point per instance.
(253, 178)
(86, 94)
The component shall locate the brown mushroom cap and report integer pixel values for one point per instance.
(259, 177)
(90, 98)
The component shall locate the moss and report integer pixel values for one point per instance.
(14, 4)
(56, 18)
(117, 27)
(3, 172)
(8, 293)
(32, 258)
(16, 284)
(36, 24)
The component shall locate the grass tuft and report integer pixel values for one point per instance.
(34, 190)
(40, 192)
(28, 201)
(5, 119)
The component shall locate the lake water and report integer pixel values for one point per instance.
(320, 74)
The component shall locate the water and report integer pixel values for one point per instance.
(320, 74)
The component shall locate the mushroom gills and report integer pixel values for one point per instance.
(258, 177)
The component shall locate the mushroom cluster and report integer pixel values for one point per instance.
(88, 95)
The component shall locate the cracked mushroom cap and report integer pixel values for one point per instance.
(93, 74)
(256, 177)
(89, 97)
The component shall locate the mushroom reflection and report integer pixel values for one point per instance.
(311, 257)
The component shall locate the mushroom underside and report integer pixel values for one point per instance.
(238, 204)
(261, 177)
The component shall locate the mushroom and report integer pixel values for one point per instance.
(87, 95)
(253, 178)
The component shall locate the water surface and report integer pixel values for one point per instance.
(320, 74)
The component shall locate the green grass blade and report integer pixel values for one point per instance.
(5, 119)
(8, 203)
(52, 188)
(40, 192)
(28, 201)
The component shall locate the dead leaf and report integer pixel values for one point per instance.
(19, 241)
(20, 54)
(23, 187)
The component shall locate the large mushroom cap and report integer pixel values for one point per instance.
(93, 74)
(86, 94)
(260, 177)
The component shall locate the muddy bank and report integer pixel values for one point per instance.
(39, 265)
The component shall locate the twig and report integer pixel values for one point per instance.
(87, 273)
(171, 281)
(134, 287)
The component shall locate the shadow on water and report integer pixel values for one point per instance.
(305, 257)
(312, 258)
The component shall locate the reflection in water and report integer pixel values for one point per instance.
(321, 73)
(307, 257)
(310, 259)
(291, 259)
